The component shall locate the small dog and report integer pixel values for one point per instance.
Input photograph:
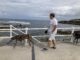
(76, 36)
(21, 38)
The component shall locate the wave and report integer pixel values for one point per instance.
(20, 22)
(15, 22)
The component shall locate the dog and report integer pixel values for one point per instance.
(76, 36)
(21, 38)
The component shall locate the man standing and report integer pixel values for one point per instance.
(52, 31)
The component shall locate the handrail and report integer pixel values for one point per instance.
(12, 28)
(40, 28)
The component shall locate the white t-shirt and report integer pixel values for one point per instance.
(52, 23)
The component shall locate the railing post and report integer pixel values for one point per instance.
(10, 31)
(72, 34)
(26, 32)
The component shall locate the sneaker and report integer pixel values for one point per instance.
(53, 47)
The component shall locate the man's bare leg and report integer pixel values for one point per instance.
(49, 43)
(54, 44)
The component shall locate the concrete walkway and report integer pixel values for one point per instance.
(64, 51)
(18, 53)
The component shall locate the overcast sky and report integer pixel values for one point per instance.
(39, 9)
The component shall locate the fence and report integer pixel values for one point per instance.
(11, 30)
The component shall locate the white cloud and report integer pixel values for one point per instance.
(38, 8)
(62, 10)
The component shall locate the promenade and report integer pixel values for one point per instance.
(64, 51)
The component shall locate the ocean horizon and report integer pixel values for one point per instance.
(37, 23)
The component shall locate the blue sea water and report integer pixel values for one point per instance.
(39, 23)
(45, 23)
(36, 24)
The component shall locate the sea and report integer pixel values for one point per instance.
(37, 24)
(44, 23)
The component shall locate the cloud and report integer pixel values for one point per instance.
(38, 8)
(62, 10)
(67, 10)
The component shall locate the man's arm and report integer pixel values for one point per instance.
(54, 28)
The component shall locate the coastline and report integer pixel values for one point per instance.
(72, 22)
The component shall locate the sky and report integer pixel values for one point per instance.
(39, 9)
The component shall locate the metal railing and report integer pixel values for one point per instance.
(11, 30)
